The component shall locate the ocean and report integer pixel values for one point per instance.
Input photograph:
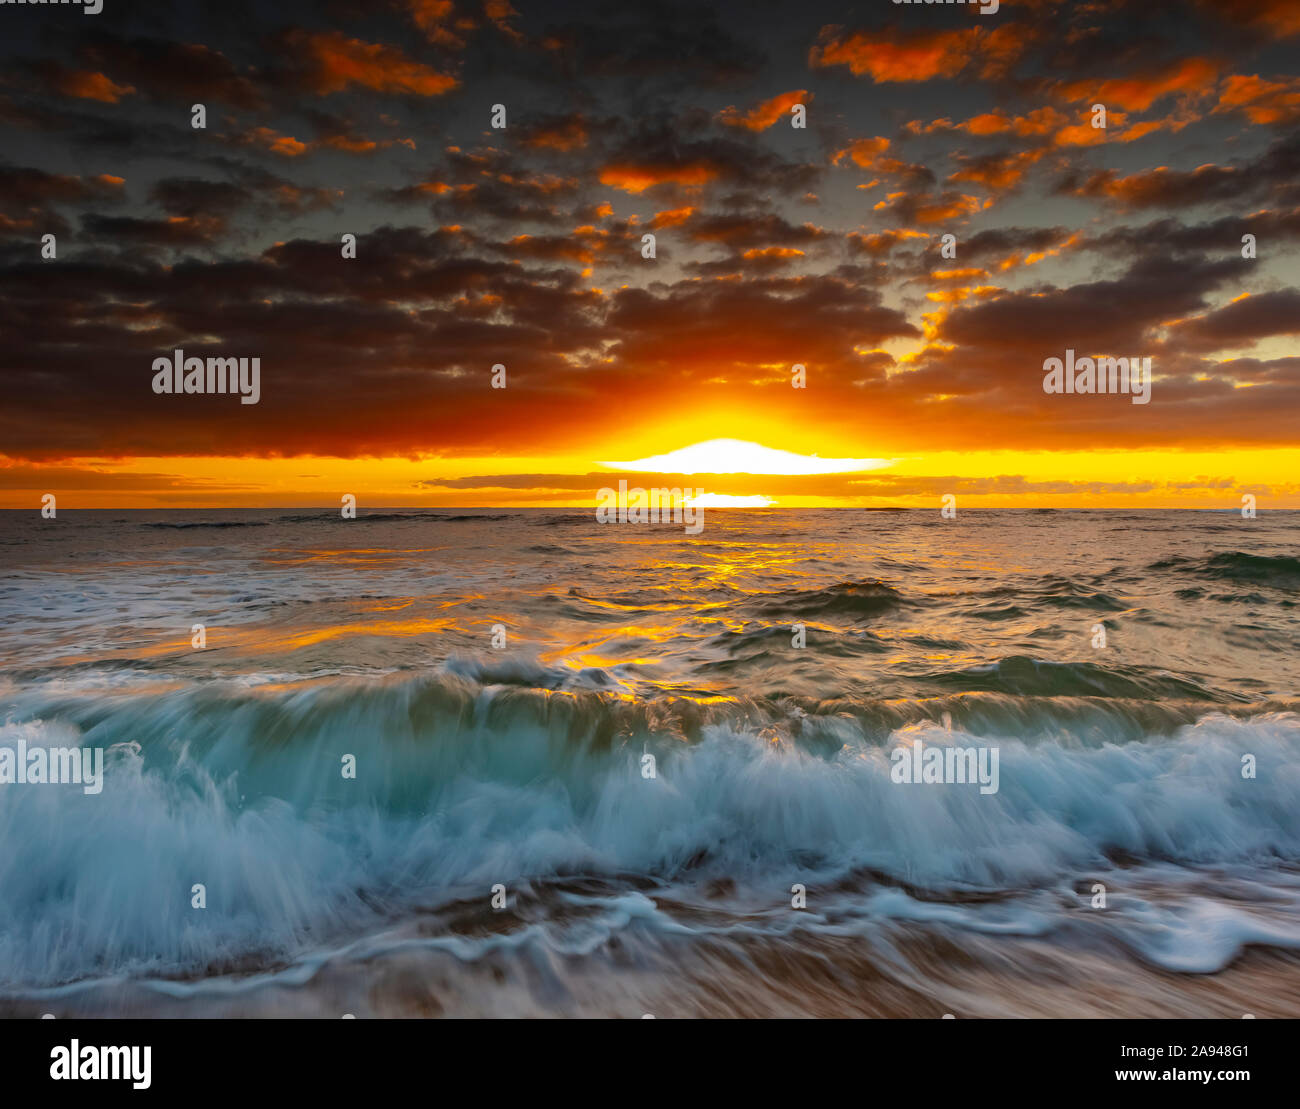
(517, 763)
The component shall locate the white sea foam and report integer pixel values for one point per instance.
(244, 796)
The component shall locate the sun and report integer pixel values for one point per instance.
(736, 456)
(727, 500)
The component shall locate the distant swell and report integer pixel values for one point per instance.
(182, 525)
(1019, 674)
(332, 515)
(863, 598)
(1279, 571)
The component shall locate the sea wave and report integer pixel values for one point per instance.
(461, 785)
(1278, 571)
(848, 598)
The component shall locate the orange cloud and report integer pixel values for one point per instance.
(276, 143)
(1261, 101)
(499, 12)
(434, 18)
(891, 56)
(673, 218)
(930, 209)
(765, 253)
(442, 188)
(637, 178)
(921, 55)
(566, 134)
(997, 172)
(354, 145)
(289, 147)
(864, 152)
(91, 86)
(964, 292)
(1137, 94)
(1048, 121)
(1085, 134)
(338, 62)
(882, 242)
(870, 154)
(1041, 121)
(1011, 261)
(767, 113)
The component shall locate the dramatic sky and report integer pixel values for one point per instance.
(775, 246)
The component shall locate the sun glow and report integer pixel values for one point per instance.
(736, 456)
(726, 500)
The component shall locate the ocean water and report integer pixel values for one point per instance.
(524, 765)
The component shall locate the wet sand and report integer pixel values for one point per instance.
(915, 974)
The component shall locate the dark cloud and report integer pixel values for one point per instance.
(522, 246)
(1244, 321)
(171, 71)
(1275, 170)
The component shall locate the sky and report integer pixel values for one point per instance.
(500, 165)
